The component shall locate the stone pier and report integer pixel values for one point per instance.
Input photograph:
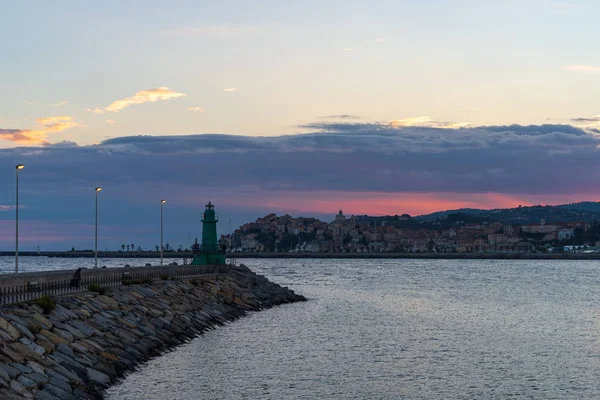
(89, 340)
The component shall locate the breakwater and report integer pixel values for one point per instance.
(79, 346)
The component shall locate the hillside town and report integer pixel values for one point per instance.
(457, 233)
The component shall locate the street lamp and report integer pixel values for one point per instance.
(161, 231)
(18, 167)
(96, 252)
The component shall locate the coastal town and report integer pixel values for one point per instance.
(457, 233)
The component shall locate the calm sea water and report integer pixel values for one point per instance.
(398, 329)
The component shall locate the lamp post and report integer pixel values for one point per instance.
(18, 167)
(96, 248)
(161, 231)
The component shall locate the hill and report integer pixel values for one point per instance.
(583, 211)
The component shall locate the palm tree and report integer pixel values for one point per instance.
(127, 247)
(123, 247)
(157, 249)
(132, 247)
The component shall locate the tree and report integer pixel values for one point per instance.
(167, 247)
(127, 247)
(157, 249)
(132, 247)
(123, 247)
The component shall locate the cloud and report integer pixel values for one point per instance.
(38, 136)
(588, 119)
(31, 103)
(110, 121)
(144, 96)
(96, 110)
(348, 49)
(381, 40)
(581, 68)
(196, 109)
(230, 89)
(61, 103)
(589, 123)
(426, 121)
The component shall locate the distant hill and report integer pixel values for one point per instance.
(584, 211)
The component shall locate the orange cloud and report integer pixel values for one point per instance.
(38, 136)
(196, 109)
(426, 121)
(96, 110)
(144, 96)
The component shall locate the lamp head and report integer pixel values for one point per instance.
(98, 189)
(20, 166)
(163, 201)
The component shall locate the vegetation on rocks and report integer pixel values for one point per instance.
(47, 303)
(94, 287)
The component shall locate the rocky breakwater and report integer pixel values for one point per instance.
(89, 340)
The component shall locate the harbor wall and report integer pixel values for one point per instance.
(90, 340)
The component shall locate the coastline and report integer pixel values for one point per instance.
(91, 340)
(433, 256)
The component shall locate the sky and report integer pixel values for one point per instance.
(299, 107)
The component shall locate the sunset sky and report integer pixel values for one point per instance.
(304, 107)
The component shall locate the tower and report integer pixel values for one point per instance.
(208, 253)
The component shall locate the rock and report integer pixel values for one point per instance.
(7, 394)
(61, 383)
(53, 338)
(8, 328)
(47, 345)
(43, 395)
(4, 374)
(43, 321)
(23, 369)
(148, 265)
(33, 346)
(35, 367)
(26, 382)
(58, 392)
(65, 349)
(11, 354)
(64, 334)
(98, 378)
(17, 387)
(11, 371)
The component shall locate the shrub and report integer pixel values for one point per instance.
(47, 303)
(164, 277)
(94, 287)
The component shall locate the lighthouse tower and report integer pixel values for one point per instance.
(208, 253)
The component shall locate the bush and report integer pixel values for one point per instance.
(94, 287)
(47, 303)
(164, 277)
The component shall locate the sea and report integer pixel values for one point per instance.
(392, 329)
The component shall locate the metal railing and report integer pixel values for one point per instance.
(16, 288)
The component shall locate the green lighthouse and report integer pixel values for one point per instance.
(208, 253)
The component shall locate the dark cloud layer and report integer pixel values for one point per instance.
(546, 159)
